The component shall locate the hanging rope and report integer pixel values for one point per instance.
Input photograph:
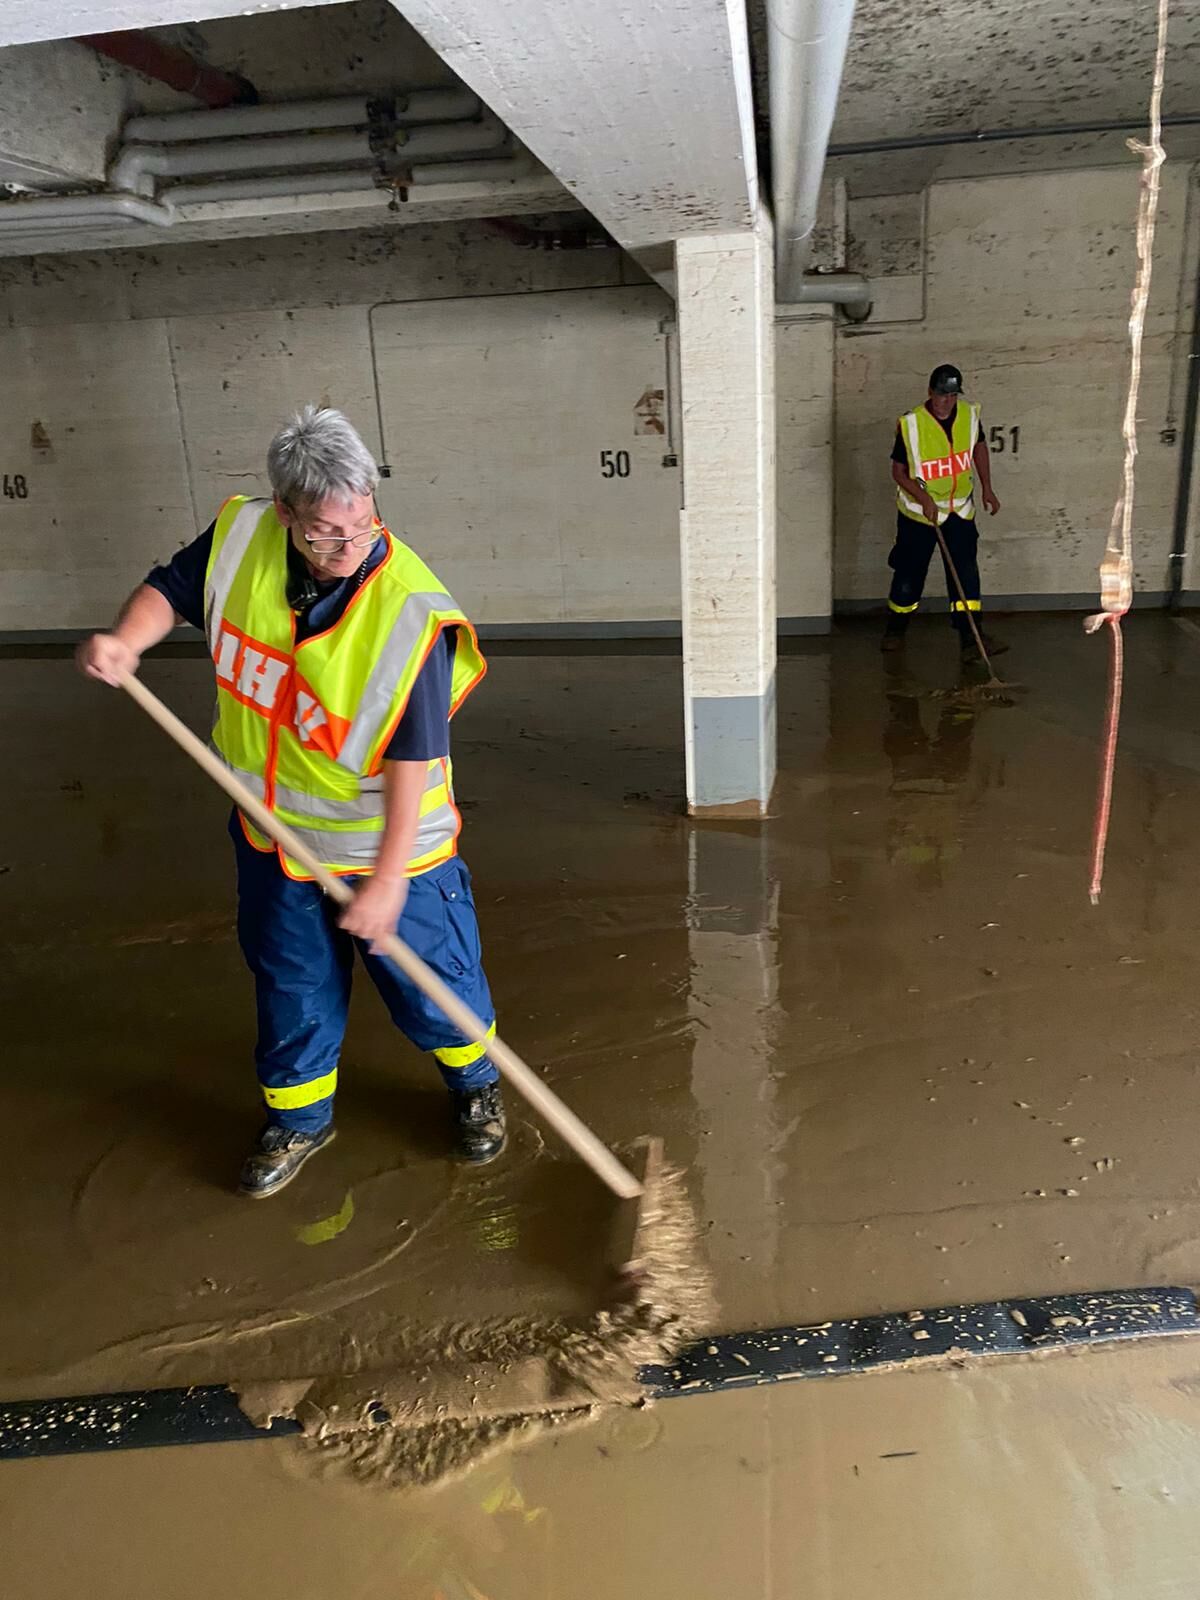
(1116, 569)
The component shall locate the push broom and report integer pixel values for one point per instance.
(995, 688)
(553, 1111)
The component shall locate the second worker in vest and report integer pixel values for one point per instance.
(340, 660)
(938, 453)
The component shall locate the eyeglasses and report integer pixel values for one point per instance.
(326, 545)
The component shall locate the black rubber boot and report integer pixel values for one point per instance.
(479, 1118)
(278, 1157)
(893, 637)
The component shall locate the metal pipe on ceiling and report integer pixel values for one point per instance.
(35, 223)
(166, 63)
(138, 165)
(931, 141)
(507, 169)
(79, 210)
(284, 185)
(806, 51)
(292, 116)
(850, 290)
(360, 180)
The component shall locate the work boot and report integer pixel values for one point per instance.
(479, 1118)
(278, 1157)
(893, 640)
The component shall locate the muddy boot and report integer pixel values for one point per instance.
(278, 1157)
(479, 1118)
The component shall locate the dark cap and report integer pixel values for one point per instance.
(946, 380)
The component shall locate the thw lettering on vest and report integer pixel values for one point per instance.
(946, 466)
(264, 680)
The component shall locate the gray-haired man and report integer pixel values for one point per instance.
(339, 660)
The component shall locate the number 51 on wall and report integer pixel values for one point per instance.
(1002, 439)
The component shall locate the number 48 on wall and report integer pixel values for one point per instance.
(15, 487)
(1002, 439)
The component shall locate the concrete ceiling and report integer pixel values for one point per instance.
(641, 108)
(962, 65)
(645, 109)
(28, 21)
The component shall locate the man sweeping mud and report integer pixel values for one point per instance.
(938, 452)
(340, 660)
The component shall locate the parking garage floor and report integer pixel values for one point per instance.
(904, 1061)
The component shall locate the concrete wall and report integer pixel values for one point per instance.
(141, 389)
(1023, 281)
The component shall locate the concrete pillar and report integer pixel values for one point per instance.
(726, 307)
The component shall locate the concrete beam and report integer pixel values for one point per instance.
(641, 108)
(27, 21)
(60, 114)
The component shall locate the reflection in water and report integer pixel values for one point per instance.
(733, 1004)
(328, 1227)
(498, 1229)
(928, 745)
(474, 1534)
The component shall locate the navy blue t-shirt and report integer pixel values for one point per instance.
(424, 730)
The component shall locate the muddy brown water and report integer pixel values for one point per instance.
(903, 1060)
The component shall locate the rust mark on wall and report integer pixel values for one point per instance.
(648, 413)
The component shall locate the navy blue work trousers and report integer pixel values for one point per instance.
(303, 963)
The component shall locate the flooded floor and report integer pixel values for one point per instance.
(903, 1059)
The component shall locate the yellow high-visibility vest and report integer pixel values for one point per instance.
(944, 468)
(304, 726)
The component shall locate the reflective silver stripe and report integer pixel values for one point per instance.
(224, 568)
(365, 808)
(359, 849)
(914, 444)
(434, 829)
(911, 509)
(251, 780)
(389, 667)
(340, 849)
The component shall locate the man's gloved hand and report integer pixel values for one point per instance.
(376, 908)
(105, 657)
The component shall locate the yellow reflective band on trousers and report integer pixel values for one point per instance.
(308, 723)
(464, 1055)
(970, 605)
(292, 1096)
(902, 611)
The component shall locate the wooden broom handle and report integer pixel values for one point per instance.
(560, 1117)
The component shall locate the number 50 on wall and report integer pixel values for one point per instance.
(614, 463)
